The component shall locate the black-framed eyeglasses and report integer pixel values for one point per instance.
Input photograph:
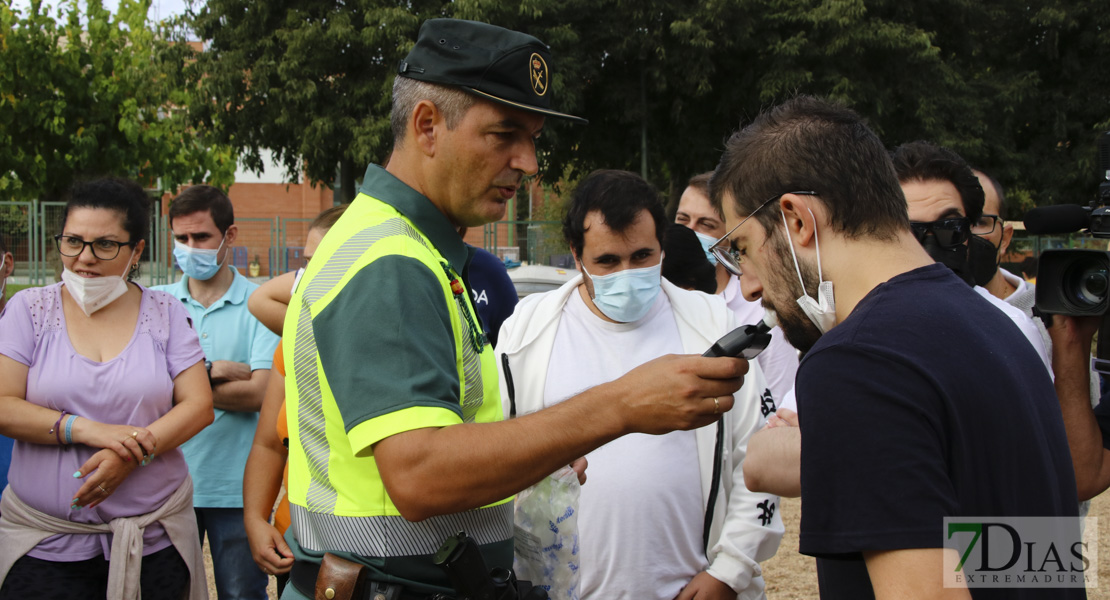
(949, 233)
(986, 224)
(727, 255)
(71, 246)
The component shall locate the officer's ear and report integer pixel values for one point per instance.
(423, 126)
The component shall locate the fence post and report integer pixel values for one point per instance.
(32, 235)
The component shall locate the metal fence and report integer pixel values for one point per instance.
(532, 242)
(28, 229)
(266, 247)
(263, 249)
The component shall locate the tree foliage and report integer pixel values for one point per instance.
(307, 79)
(88, 93)
(1018, 87)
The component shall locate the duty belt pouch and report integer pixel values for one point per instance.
(340, 579)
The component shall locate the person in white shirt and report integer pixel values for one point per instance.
(655, 521)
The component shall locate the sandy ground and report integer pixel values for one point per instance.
(792, 576)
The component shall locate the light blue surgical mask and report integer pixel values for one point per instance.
(198, 263)
(707, 243)
(626, 296)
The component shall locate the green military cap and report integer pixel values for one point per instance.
(503, 66)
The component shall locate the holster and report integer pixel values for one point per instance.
(340, 579)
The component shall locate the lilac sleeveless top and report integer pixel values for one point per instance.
(135, 388)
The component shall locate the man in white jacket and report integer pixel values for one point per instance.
(655, 521)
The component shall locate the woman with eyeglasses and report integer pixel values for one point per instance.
(100, 381)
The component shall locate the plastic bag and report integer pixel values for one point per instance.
(546, 534)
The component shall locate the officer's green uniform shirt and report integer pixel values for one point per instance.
(382, 338)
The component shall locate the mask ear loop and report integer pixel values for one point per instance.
(794, 255)
(226, 256)
(817, 244)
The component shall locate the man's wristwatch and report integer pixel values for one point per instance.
(208, 367)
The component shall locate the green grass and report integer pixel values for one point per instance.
(11, 288)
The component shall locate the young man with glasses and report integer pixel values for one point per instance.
(940, 193)
(1068, 343)
(918, 399)
(996, 231)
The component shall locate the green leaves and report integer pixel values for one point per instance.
(1016, 87)
(86, 93)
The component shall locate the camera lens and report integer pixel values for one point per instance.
(1086, 282)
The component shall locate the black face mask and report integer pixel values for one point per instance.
(953, 258)
(982, 257)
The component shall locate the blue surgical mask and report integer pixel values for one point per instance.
(197, 263)
(707, 243)
(626, 296)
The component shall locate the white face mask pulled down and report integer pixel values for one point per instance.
(94, 293)
(821, 310)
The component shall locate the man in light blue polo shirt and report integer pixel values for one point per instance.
(239, 351)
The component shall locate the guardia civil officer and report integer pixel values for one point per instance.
(395, 418)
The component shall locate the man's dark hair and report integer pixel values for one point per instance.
(620, 196)
(1029, 266)
(810, 144)
(3, 245)
(925, 161)
(204, 198)
(112, 193)
(684, 260)
(998, 191)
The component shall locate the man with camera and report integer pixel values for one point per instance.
(396, 431)
(911, 411)
(1076, 383)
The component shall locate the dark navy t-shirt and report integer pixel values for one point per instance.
(493, 292)
(926, 402)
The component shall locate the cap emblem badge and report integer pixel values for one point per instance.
(538, 74)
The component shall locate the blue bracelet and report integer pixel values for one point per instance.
(69, 429)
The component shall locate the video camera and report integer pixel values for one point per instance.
(1077, 282)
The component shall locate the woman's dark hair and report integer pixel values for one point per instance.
(329, 217)
(113, 193)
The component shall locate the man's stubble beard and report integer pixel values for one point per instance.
(796, 326)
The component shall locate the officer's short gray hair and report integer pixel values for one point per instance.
(408, 92)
